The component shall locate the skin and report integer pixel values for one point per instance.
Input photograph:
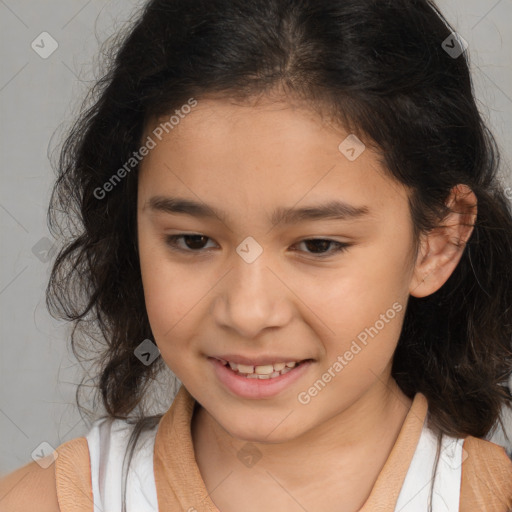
(247, 160)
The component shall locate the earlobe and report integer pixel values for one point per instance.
(441, 249)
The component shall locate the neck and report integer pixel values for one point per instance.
(367, 430)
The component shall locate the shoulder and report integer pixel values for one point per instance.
(63, 485)
(486, 477)
(19, 489)
(71, 483)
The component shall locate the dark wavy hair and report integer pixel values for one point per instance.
(378, 68)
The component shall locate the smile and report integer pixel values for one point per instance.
(266, 371)
(258, 381)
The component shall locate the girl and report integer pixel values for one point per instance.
(293, 205)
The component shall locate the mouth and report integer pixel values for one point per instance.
(262, 372)
(262, 381)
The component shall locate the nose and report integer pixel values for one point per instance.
(252, 297)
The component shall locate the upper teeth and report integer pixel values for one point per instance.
(266, 369)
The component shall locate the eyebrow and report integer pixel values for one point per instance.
(335, 210)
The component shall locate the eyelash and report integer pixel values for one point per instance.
(171, 241)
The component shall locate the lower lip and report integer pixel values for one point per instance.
(256, 388)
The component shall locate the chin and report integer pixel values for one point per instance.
(265, 433)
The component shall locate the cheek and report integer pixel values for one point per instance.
(366, 303)
(167, 307)
(167, 300)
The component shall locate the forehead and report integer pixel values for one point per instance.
(270, 154)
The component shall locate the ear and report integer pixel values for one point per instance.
(441, 248)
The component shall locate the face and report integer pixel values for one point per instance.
(239, 282)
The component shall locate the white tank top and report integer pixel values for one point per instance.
(107, 441)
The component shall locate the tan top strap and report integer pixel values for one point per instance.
(486, 477)
(73, 476)
(179, 483)
(384, 494)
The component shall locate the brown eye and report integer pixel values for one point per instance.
(193, 243)
(320, 246)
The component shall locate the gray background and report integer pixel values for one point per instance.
(38, 99)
